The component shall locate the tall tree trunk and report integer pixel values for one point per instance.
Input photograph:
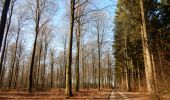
(22, 75)
(44, 69)
(3, 21)
(2, 76)
(83, 69)
(108, 70)
(154, 73)
(52, 69)
(122, 78)
(98, 44)
(60, 73)
(69, 59)
(37, 21)
(133, 75)
(65, 61)
(93, 75)
(77, 58)
(4, 64)
(18, 66)
(6, 35)
(32, 64)
(139, 78)
(39, 65)
(128, 71)
(147, 57)
(126, 74)
(14, 60)
(93, 64)
(77, 69)
(128, 79)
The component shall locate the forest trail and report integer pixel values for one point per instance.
(119, 95)
(83, 94)
(59, 94)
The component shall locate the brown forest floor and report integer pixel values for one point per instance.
(54, 94)
(87, 94)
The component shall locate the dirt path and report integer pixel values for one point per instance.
(118, 95)
(59, 94)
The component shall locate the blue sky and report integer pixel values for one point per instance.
(99, 3)
(58, 18)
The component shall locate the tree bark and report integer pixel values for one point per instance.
(52, 69)
(83, 69)
(37, 29)
(39, 65)
(3, 21)
(43, 73)
(32, 64)
(147, 57)
(4, 63)
(65, 60)
(15, 54)
(122, 78)
(6, 35)
(139, 78)
(77, 57)
(18, 66)
(98, 44)
(128, 71)
(69, 59)
(93, 65)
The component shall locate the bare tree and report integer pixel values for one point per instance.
(80, 20)
(21, 20)
(63, 37)
(47, 37)
(52, 67)
(69, 59)
(39, 9)
(101, 30)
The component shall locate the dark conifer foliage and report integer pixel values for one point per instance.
(128, 43)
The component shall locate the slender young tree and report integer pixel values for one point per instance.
(101, 27)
